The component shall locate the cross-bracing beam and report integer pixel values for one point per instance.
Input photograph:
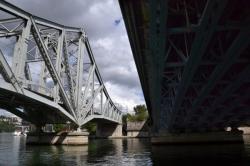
(49, 64)
(238, 46)
(8, 75)
(203, 35)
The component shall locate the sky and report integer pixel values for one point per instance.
(103, 23)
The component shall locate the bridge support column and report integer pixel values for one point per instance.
(61, 138)
(108, 130)
(197, 138)
(39, 137)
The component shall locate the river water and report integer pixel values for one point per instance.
(14, 151)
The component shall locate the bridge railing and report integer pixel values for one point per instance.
(61, 56)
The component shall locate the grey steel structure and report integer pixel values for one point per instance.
(193, 61)
(48, 72)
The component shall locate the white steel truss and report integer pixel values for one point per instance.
(49, 59)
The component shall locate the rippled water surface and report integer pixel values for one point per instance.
(13, 151)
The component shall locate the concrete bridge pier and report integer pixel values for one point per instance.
(108, 130)
(39, 137)
(222, 136)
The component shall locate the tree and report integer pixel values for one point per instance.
(59, 127)
(140, 109)
(6, 127)
(131, 118)
(141, 112)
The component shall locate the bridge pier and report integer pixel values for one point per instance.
(39, 137)
(61, 138)
(234, 136)
(108, 130)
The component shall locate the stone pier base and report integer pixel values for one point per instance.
(61, 138)
(106, 130)
(197, 138)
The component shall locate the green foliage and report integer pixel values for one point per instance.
(131, 118)
(141, 114)
(6, 127)
(91, 127)
(140, 109)
(59, 127)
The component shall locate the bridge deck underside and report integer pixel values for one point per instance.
(30, 109)
(193, 61)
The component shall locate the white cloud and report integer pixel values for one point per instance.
(125, 96)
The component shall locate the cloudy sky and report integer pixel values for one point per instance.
(102, 20)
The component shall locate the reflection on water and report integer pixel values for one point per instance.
(13, 151)
(205, 155)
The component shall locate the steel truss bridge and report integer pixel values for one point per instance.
(193, 59)
(48, 72)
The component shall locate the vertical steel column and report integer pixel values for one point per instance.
(15, 64)
(20, 51)
(79, 78)
(115, 114)
(59, 53)
(92, 91)
(120, 117)
(105, 107)
(101, 102)
(68, 72)
(111, 111)
(107, 110)
(42, 80)
(115, 117)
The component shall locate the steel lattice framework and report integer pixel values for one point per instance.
(48, 71)
(193, 61)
